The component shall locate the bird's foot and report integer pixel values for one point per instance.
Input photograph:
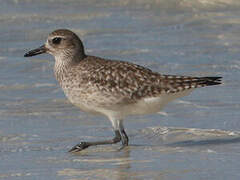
(124, 140)
(122, 147)
(79, 147)
(118, 137)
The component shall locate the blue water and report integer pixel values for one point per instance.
(195, 137)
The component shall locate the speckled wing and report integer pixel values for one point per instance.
(130, 82)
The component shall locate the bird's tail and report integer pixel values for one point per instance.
(207, 81)
(181, 83)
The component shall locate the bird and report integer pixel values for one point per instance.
(112, 88)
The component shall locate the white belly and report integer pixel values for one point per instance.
(151, 105)
(147, 105)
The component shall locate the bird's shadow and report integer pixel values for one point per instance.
(216, 141)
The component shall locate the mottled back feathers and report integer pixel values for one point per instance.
(128, 80)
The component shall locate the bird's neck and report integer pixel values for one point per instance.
(64, 63)
(59, 69)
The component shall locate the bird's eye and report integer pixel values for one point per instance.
(56, 40)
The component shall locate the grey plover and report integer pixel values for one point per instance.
(112, 88)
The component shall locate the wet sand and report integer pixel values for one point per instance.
(195, 137)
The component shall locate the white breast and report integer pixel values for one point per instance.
(147, 105)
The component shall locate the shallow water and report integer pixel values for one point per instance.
(38, 125)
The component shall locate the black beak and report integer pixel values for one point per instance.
(34, 52)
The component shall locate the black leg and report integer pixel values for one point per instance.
(124, 138)
(84, 145)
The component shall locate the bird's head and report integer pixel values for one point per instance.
(62, 44)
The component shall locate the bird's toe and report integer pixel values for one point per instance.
(79, 147)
